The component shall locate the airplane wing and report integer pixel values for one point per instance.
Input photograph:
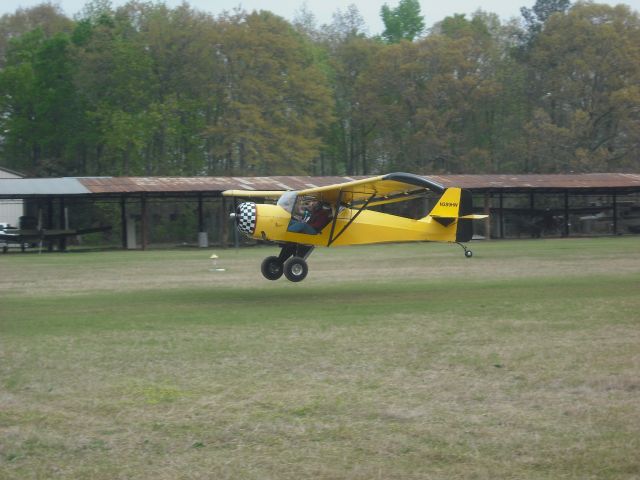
(394, 187)
(361, 194)
(390, 188)
(34, 235)
(9, 237)
(83, 231)
(47, 234)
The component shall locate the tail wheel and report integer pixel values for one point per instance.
(296, 269)
(467, 253)
(272, 268)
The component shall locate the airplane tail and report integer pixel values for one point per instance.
(454, 209)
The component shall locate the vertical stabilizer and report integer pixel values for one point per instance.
(448, 204)
(455, 209)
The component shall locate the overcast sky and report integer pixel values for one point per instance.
(433, 11)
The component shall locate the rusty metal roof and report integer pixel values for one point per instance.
(628, 181)
(183, 186)
(204, 184)
(580, 181)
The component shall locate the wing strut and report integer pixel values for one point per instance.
(335, 218)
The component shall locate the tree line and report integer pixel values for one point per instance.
(145, 89)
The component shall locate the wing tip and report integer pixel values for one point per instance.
(413, 179)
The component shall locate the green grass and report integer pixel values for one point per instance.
(399, 361)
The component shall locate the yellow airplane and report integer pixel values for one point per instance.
(340, 215)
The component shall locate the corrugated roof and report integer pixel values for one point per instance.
(8, 173)
(554, 182)
(204, 184)
(475, 182)
(41, 186)
(114, 186)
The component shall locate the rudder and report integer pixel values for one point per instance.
(464, 233)
(451, 206)
(446, 209)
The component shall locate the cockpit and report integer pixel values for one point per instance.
(309, 215)
(287, 201)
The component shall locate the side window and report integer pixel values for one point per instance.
(309, 215)
(287, 201)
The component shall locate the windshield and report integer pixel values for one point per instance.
(287, 201)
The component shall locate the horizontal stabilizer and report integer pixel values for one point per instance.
(453, 210)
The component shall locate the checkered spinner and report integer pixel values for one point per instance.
(246, 216)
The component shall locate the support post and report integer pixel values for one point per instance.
(143, 221)
(532, 205)
(223, 222)
(487, 211)
(123, 221)
(62, 242)
(501, 199)
(203, 241)
(50, 222)
(566, 214)
(615, 213)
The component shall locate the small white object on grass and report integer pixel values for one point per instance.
(215, 267)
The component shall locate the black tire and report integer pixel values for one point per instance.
(272, 268)
(468, 253)
(296, 269)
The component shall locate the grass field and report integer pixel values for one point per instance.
(388, 362)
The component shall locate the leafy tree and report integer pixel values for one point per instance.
(350, 146)
(47, 17)
(115, 79)
(42, 117)
(424, 95)
(587, 71)
(145, 89)
(534, 21)
(345, 24)
(403, 22)
(536, 16)
(274, 100)
(148, 76)
(184, 70)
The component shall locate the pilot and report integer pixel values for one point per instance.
(314, 223)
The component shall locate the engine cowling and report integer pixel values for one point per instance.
(246, 218)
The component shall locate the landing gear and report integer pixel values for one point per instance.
(295, 269)
(467, 253)
(272, 268)
(291, 262)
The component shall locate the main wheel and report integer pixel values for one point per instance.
(296, 269)
(272, 268)
(468, 253)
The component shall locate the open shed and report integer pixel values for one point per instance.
(141, 207)
(11, 209)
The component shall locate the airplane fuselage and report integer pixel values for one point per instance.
(364, 227)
